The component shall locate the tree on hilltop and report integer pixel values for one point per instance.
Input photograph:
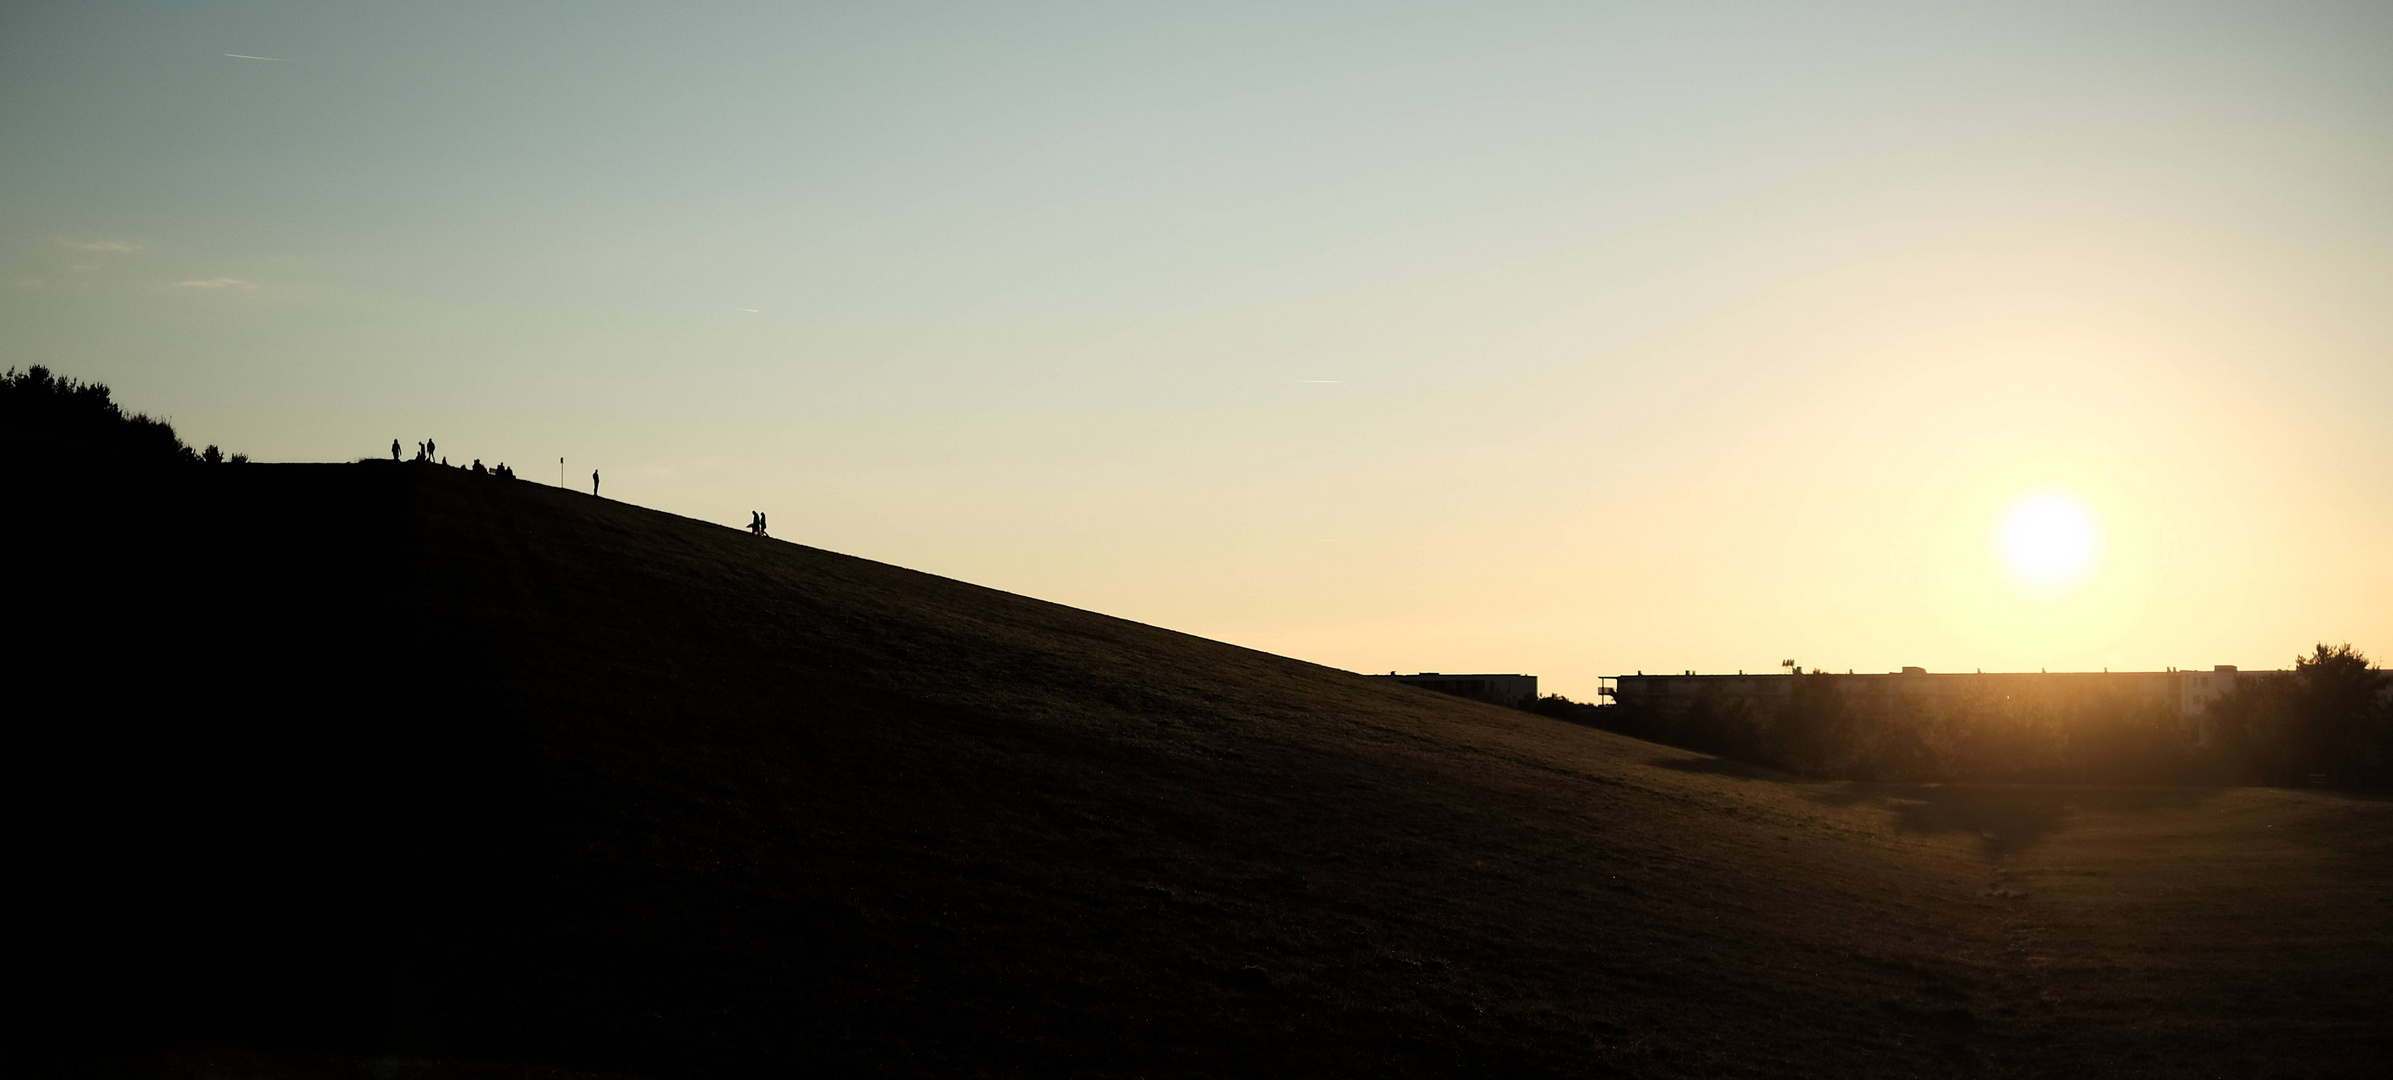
(58, 421)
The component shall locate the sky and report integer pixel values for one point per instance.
(1569, 339)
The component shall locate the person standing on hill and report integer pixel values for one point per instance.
(593, 481)
(394, 449)
(431, 450)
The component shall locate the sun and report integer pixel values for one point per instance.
(2049, 542)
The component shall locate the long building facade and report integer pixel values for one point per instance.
(2188, 693)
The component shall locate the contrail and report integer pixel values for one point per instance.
(245, 56)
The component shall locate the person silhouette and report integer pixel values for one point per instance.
(593, 481)
(755, 523)
(760, 525)
(394, 449)
(432, 449)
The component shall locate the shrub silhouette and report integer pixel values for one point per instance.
(2331, 720)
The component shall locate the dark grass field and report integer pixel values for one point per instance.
(416, 773)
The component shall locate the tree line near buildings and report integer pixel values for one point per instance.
(2329, 721)
(2332, 719)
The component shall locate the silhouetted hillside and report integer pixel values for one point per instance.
(373, 759)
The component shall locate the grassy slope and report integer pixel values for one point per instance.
(791, 809)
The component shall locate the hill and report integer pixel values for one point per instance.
(367, 760)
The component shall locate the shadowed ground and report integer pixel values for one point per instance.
(522, 776)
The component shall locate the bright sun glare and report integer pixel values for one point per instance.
(2048, 542)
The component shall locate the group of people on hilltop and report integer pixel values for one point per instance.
(429, 453)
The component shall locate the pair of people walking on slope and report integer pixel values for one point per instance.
(756, 523)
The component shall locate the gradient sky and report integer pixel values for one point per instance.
(1571, 339)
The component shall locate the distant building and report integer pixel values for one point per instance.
(1514, 690)
(2187, 693)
